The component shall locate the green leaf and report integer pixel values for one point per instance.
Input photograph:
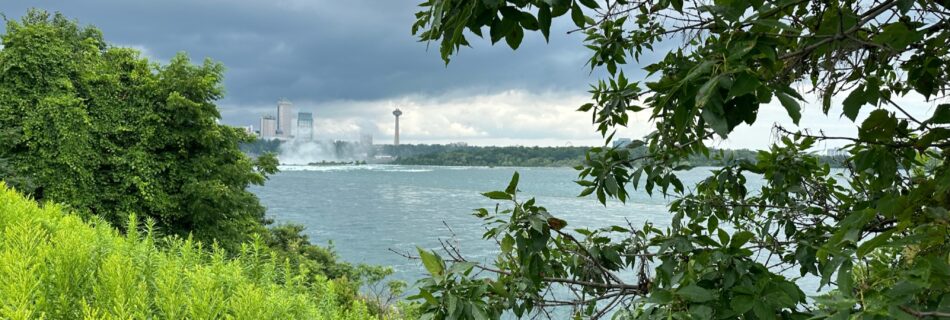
(762, 310)
(741, 238)
(854, 101)
(826, 98)
(723, 237)
(577, 15)
(462, 267)
(941, 115)
(791, 105)
(741, 303)
(513, 184)
(544, 21)
(660, 296)
(745, 84)
(590, 4)
(775, 24)
(716, 121)
(479, 313)
(704, 93)
(432, 262)
(507, 243)
(845, 279)
(897, 36)
(696, 293)
(611, 183)
(879, 126)
(497, 195)
(492, 3)
(514, 38)
(875, 242)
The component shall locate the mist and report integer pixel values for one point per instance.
(302, 152)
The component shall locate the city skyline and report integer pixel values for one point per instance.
(484, 97)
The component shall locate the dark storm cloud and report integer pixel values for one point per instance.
(321, 50)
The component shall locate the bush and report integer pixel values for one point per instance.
(56, 266)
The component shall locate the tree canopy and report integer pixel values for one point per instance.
(875, 236)
(109, 133)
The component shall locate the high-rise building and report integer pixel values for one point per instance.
(268, 127)
(366, 139)
(285, 114)
(304, 126)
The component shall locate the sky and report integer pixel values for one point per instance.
(352, 62)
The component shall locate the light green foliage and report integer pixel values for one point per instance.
(107, 132)
(877, 234)
(55, 266)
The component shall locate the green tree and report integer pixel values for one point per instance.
(109, 133)
(876, 234)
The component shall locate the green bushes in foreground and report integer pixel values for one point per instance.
(56, 266)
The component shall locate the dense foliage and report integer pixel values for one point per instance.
(107, 132)
(56, 266)
(877, 235)
(449, 155)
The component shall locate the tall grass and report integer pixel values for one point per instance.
(54, 265)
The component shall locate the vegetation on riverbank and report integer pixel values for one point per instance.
(450, 155)
(56, 266)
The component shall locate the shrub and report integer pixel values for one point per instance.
(57, 266)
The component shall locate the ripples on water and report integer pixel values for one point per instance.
(366, 210)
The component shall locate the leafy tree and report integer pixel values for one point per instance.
(875, 234)
(109, 133)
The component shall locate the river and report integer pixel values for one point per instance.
(367, 210)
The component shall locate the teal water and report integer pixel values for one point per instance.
(367, 210)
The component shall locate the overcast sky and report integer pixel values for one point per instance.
(351, 62)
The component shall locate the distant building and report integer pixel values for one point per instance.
(397, 113)
(285, 114)
(304, 126)
(249, 129)
(621, 142)
(268, 127)
(835, 152)
(366, 139)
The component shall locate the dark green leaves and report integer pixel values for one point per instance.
(497, 195)
(791, 106)
(941, 115)
(577, 15)
(514, 38)
(544, 21)
(513, 184)
(745, 83)
(590, 4)
(880, 126)
(696, 293)
(897, 36)
(854, 101)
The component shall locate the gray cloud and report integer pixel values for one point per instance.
(322, 50)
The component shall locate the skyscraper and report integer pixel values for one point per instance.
(285, 113)
(366, 139)
(305, 126)
(268, 127)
